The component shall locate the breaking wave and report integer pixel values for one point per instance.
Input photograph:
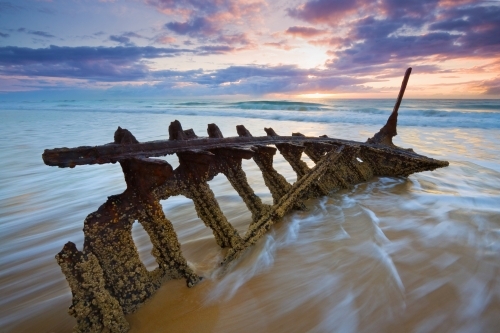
(483, 114)
(278, 105)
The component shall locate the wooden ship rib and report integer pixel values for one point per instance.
(107, 278)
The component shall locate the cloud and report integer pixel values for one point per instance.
(272, 79)
(304, 32)
(36, 33)
(225, 43)
(234, 8)
(95, 63)
(214, 49)
(406, 33)
(477, 28)
(208, 17)
(119, 65)
(193, 27)
(133, 34)
(164, 39)
(280, 45)
(324, 11)
(464, 19)
(41, 34)
(121, 39)
(362, 38)
(336, 42)
(188, 75)
(333, 12)
(23, 55)
(409, 9)
(237, 73)
(491, 87)
(250, 80)
(394, 51)
(124, 38)
(370, 28)
(101, 64)
(233, 39)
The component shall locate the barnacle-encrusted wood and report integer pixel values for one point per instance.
(107, 278)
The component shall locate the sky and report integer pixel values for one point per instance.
(250, 48)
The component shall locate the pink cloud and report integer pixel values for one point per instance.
(454, 3)
(325, 11)
(232, 39)
(492, 87)
(329, 41)
(163, 39)
(280, 45)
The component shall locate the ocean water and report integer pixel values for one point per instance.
(416, 254)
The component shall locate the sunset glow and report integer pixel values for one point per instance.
(306, 48)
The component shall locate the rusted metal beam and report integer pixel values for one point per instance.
(386, 133)
(112, 152)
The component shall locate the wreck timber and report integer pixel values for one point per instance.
(107, 278)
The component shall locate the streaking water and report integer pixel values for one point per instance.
(391, 255)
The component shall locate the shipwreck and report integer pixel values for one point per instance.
(108, 279)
